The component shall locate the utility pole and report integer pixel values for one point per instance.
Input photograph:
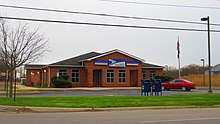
(209, 52)
(15, 86)
(203, 61)
(11, 77)
(6, 83)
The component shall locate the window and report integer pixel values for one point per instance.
(143, 74)
(110, 76)
(62, 72)
(75, 75)
(152, 74)
(172, 82)
(178, 81)
(47, 77)
(121, 76)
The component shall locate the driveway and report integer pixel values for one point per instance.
(124, 91)
(111, 92)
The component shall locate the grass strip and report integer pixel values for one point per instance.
(199, 100)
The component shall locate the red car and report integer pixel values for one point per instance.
(182, 84)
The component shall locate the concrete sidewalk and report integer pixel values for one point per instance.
(35, 90)
(23, 87)
(19, 109)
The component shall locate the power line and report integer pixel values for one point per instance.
(167, 5)
(106, 15)
(110, 25)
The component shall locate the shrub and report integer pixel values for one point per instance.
(61, 81)
(164, 78)
(64, 77)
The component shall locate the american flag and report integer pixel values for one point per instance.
(178, 49)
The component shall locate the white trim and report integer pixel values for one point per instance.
(153, 67)
(65, 66)
(75, 77)
(131, 64)
(113, 51)
(110, 77)
(122, 77)
(101, 63)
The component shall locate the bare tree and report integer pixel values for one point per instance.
(193, 69)
(172, 71)
(20, 45)
(186, 70)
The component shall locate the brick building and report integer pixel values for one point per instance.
(110, 69)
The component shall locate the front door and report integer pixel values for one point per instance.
(133, 78)
(97, 78)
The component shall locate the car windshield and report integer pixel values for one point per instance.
(186, 80)
(173, 81)
(178, 80)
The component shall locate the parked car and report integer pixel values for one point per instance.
(182, 84)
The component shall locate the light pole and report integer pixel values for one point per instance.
(209, 58)
(203, 61)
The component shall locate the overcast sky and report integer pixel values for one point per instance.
(154, 46)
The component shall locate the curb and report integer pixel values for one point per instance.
(24, 93)
(18, 109)
(84, 88)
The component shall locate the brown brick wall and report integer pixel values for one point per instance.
(158, 72)
(45, 77)
(82, 74)
(90, 66)
(33, 77)
(133, 73)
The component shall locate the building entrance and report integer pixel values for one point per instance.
(97, 78)
(133, 78)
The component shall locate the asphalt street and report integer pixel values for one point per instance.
(108, 93)
(105, 92)
(158, 116)
(112, 92)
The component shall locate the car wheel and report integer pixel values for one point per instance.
(183, 88)
(163, 88)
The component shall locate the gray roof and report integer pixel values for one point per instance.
(216, 68)
(75, 60)
(113, 51)
(147, 65)
(78, 60)
(33, 66)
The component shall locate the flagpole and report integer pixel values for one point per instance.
(179, 67)
(178, 55)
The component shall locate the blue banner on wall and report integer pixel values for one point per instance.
(101, 62)
(116, 63)
(133, 63)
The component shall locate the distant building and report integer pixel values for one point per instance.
(3, 70)
(214, 70)
(110, 69)
(3, 67)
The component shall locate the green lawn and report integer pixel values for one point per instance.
(198, 100)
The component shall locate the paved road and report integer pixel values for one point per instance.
(111, 93)
(162, 116)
